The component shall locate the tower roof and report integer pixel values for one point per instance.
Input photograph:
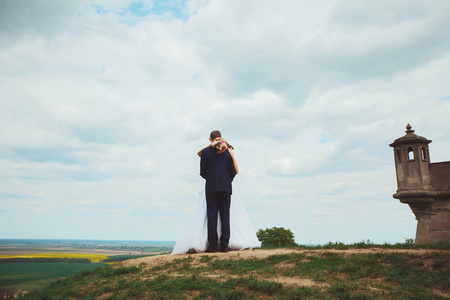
(410, 137)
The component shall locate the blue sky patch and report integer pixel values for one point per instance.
(324, 139)
(138, 9)
(173, 9)
(99, 9)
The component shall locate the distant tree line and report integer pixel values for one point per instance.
(44, 260)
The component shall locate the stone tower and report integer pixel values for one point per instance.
(424, 186)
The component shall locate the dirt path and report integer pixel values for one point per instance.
(263, 253)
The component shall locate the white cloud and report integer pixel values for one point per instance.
(105, 104)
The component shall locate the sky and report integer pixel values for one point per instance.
(104, 105)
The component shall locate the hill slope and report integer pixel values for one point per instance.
(276, 274)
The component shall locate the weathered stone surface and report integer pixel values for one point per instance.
(443, 216)
(440, 225)
(424, 186)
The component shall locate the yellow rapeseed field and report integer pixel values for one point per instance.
(92, 257)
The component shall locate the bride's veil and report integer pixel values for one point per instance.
(195, 234)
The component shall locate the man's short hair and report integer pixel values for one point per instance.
(215, 134)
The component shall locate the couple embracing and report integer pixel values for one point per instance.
(220, 221)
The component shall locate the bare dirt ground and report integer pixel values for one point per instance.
(263, 253)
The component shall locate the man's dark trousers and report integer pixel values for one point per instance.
(218, 202)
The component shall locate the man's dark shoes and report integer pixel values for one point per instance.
(225, 249)
(211, 249)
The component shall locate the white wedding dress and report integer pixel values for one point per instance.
(195, 235)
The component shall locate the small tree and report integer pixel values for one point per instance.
(275, 237)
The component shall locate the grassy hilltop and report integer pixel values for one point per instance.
(333, 271)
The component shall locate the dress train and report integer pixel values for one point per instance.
(194, 237)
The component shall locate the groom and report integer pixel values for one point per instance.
(219, 171)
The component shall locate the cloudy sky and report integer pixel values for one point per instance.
(104, 104)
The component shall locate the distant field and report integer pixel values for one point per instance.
(15, 249)
(91, 257)
(28, 251)
(32, 276)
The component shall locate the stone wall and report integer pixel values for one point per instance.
(433, 224)
(424, 186)
(440, 175)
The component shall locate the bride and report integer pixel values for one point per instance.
(194, 238)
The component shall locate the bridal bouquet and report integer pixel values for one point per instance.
(221, 145)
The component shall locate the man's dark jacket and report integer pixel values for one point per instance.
(218, 170)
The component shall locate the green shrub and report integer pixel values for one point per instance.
(276, 237)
